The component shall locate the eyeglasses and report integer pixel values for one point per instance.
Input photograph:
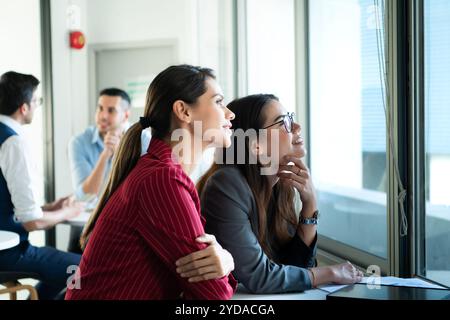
(287, 120)
(38, 101)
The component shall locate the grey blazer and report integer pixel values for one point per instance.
(230, 211)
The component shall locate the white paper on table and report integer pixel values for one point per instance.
(401, 282)
(332, 288)
(387, 281)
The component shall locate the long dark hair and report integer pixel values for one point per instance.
(280, 199)
(183, 82)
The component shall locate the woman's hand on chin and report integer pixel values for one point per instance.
(296, 174)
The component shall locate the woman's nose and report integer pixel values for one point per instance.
(296, 127)
(229, 114)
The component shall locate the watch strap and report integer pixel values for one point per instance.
(311, 220)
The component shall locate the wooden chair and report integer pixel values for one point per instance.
(10, 280)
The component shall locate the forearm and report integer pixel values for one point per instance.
(48, 220)
(94, 181)
(307, 232)
(321, 275)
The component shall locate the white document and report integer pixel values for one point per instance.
(401, 282)
(332, 288)
(387, 281)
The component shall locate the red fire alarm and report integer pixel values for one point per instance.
(77, 40)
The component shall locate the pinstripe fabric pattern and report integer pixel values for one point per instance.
(151, 221)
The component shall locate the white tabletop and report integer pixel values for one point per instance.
(314, 294)
(80, 220)
(8, 239)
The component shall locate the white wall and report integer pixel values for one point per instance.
(20, 51)
(70, 95)
(202, 29)
(70, 91)
(111, 21)
(20, 38)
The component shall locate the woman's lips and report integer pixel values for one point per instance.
(227, 128)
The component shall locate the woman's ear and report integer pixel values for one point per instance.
(182, 111)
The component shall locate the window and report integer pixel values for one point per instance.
(216, 50)
(271, 49)
(348, 124)
(437, 139)
(216, 41)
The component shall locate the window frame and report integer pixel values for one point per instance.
(47, 92)
(417, 136)
(398, 74)
(418, 140)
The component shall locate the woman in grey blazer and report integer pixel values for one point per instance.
(248, 200)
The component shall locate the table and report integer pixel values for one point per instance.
(8, 239)
(321, 294)
(78, 221)
(313, 294)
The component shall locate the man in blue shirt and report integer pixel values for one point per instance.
(91, 152)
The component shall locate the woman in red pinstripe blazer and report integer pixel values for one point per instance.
(149, 215)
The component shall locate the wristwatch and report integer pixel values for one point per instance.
(312, 220)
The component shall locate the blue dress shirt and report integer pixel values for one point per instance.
(84, 152)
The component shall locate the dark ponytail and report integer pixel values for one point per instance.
(183, 82)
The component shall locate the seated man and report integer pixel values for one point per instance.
(91, 152)
(19, 209)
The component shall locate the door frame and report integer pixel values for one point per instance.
(94, 48)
